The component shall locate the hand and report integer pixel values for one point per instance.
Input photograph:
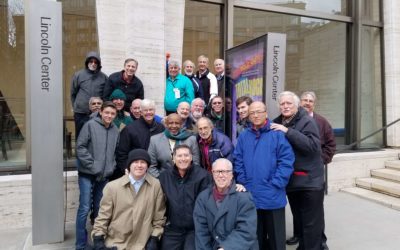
(239, 188)
(153, 243)
(279, 127)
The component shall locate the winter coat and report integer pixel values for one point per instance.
(161, 154)
(220, 147)
(209, 85)
(181, 194)
(127, 219)
(327, 138)
(135, 135)
(133, 90)
(303, 135)
(185, 88)
(263, 164)
(86, 84)
(232, 226)
(198, 90)
(95, 148)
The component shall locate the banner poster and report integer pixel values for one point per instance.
(246, 70)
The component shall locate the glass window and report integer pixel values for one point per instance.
(337, 7)
(315, 56)
(202, 31)
(371, 86)
(12, 85)
(370, 10)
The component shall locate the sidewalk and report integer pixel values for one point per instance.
(351, 223)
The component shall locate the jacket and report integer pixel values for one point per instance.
(133, 90)
(232, 226)
(86, 84)
(161, 154)
(127, 219)
(209, 85)
(135, 135)
(180, 84)
(220, 147)
(303, 135)
(263, 164)
(198, 90)
(95, 148)
(181, 194)
(327, 138)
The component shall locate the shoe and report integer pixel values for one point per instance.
(292, 241)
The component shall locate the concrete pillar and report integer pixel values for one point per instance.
(391, 19)
(144, 30)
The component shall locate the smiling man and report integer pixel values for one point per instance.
(127, 81)
(224, 218)
(132, 209)
(263, 164)
(178, 88)
(182, 184)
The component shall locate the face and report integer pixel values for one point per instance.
(228, 104)
(197, 109)
(217, 105)
(219, 66)
(243, 110)
(204, 129)
(107, 115)
(119, 103)
(138, 169)
(287, 106)
(189, 68)
(173, 70)
(222, 175)
(183, 110)
(257, 114)
(202, 64)
(174, 123)
(182, 159)
(130, 68)
(148, 114)
(308, 103)
(93, 64)
(135, 109)
(95, 105)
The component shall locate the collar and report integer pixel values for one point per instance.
(132, 180)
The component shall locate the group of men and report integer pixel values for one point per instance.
(180, 183)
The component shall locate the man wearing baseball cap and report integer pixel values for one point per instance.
(132, 210)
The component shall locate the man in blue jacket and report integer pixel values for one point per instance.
(263, 164)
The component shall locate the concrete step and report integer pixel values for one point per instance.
(395, 164)
(379, 185)
(383, 199)
(386, 173)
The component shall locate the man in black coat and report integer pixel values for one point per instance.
(305, 190)
(137, 134)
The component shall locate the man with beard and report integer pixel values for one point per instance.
(86, 83)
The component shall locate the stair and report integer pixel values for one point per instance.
(382, 187)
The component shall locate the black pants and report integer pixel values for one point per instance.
(80, 120)
(271, 230)
(308, 213)
(177, 240)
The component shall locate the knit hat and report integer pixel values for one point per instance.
(138, 154)
(117, 94)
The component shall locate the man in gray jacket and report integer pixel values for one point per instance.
(95, 150)
(86, 83)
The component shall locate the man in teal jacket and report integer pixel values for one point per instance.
(178, 89)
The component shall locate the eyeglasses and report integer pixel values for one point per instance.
(97, 103)
(258, 112)
(223, 172)
(93, 61)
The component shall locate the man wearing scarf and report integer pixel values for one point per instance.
(162, 145)
(123, 118)
(224, 218)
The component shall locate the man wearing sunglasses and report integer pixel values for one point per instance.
(86, 83)
(263, 164)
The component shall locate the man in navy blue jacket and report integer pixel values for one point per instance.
(263, 164)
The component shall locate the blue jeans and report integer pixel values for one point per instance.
(89, 189)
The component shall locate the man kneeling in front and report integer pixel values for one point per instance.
(132, 209)
(224, 218)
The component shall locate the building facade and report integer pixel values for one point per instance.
(343, 50)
